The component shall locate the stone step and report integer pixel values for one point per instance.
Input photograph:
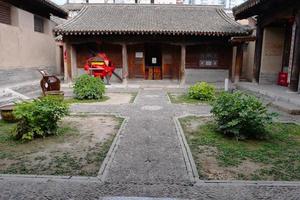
(272, 95)
(27, 88)
(4, 94)
(286, 107)
(34, 94)
(10, 101)
(280, 103)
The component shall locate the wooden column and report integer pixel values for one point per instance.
(294, 80)
(67, 62)
(73, 62)
(125, 63)
(258, 52)
(238, 63)
(182, 64)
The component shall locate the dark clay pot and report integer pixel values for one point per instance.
(7, 113)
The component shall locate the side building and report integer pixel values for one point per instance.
(26, 39)
(277, 47)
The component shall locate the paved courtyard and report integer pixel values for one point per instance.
(149, 158)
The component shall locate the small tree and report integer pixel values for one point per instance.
(202, 91)
(39, 118)
(241, 115)
(89, 87)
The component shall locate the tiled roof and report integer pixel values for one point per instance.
(151, 19)
(73, 6)
(246, 6)
(57, 20)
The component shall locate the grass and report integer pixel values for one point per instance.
(6, 131)
(185, 99)
(279, 154)
(48, 156)
(74, 100)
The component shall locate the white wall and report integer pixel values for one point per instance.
(207, 75)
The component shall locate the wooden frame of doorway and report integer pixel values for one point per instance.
(170, 61)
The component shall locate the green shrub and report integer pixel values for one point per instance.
(89, 87)
(39, 118)
(241, 115)
(202, 91)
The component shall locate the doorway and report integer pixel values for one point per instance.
(153, 62)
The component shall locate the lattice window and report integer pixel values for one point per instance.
(38, 24)
(5, 13)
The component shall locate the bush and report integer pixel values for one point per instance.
(202, 91)
(39, 118)
(241, 115)
(89, 87)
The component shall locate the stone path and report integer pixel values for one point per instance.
(148, 160)
(149, 150)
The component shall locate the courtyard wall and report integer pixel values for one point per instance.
(23, 50)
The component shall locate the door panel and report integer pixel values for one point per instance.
(136, 61)
(171, 61)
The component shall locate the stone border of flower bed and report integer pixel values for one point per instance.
(80, 178)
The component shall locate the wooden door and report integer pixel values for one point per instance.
(136, 61)
(171, 61)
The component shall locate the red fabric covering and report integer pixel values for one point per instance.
(103, 70)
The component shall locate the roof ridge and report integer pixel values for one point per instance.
(151, 5)
(81, 12)
(223, 14)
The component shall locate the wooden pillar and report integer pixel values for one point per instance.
(238, 63)
(73, 62)
(125, 63)
(294, 80)
(258, 52)
(67, 62)
(182, 65)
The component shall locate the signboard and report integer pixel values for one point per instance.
(139, 55)
(154, 61)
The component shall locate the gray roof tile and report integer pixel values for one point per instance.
(153, 19)
(73, 6)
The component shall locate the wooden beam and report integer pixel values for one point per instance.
(242, 39)
(238, 63)
(270, 17)
(258, 52)
(131, 39)
(182, 65)
(294, 80)
(266, 8)
(125, 62)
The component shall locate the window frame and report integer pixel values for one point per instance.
(39, 24)
(8, 7)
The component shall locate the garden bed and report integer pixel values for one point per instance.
(183, 98)
(78, 149)
(218, 157)
(108, 99)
